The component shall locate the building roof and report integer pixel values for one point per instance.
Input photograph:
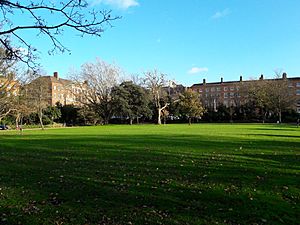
(57, 80)
(235, 82)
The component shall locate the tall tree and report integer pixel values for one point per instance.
(280, 97)
(155, 81)
(8, 84)
(37, 96)
(95, 81)
(190, 105)
(8, 92)
(49, 19)
(130, 100)
(257, 93)
(22, 106)
(270, 96)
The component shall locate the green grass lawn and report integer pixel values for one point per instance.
(147, 174)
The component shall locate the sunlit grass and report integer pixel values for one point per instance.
(174, 174)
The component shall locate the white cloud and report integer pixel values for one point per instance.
(122, 4)
(195, 70)
(221, 14)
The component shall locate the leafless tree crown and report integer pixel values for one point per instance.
(48, 18)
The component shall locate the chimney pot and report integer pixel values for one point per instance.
(261, 77)
(204, 81)
(55, 74)
(284, 76)
(221, 79)
(241, 78)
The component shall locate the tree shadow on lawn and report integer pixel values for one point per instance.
(277, 135)
(147, 179)
(280, 128)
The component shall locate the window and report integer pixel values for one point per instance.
(54, 87)
(218, 89)
(298, 92)
(212, 89)
(225, 88)
(225, 95)
(58, 88)
(231, 94)
(200, 90)
(231, 88)
(207, 89)
(54, 94)
(291, 85)
(298, 84)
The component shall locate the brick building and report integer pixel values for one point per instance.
(229, 93)
(9, 86)
(59, 90)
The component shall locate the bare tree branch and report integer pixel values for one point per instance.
(48, 19)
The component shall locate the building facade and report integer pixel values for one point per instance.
(59, 90)
(9, 86)
(230, 93)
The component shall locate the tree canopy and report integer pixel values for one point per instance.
(130, 100)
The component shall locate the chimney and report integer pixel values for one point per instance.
(261, 77)
(204, 81)
(221, 79)
(284, 76)
(55, 74)
(241, 78)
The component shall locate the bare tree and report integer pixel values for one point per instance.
(270, 96)
(256, 92)
(8, 85)
(155, 81)
(37, 95)
(280, 96)
(50, 19)
(8, 91)
(95, 82)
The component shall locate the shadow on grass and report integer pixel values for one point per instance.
(277, 135)
(148, 179)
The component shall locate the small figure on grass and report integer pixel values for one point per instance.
(19, 128)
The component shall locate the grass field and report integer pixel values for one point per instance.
(147, 174)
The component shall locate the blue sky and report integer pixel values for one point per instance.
(190, 40)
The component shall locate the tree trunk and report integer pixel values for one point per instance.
(130, 121)
(41, 120)
(190, 120)
(17, 121)
(106, 120)
(279, 115)
(159, 117)
(137, 120)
